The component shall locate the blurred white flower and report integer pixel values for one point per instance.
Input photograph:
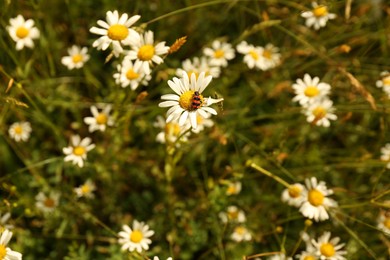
(240, 234)
(233, 214)
(219, 53)
(171, 132)
(77, 151)
(320, 113)
(77, 57)
(22, 32)
(318, 17)
(99, 120)
(136, 238)
(385, 154)
(384, 222)
(293, 196)
(132, 74)
(310, 90)
(196, 66)
(20, 131)
(5, 252)
(233, 188)
(329, 249)
(86, 190)
(45, 203)
(384, 82)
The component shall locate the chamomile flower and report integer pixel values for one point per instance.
(309, 90)
(20, 131)
(233, 214)
(253, 56)
(233, 188)
(316, 202)
(47, 204)
(196, 66)
(115, 31)
(320, 113)
(188, 102)
(280, 256)
(136, 238)
(293, 195)
(310, 252)
(240, 234)
(219, 53)
(329, 249)
(171, 132)
(384, 222)
(99, 120)
(77, 151)
(86, 190)
(385, 155)
(271, 57)
(318, 17)
(131, 74)
(384, 82)
(22, 32)
(77, 57)
(5, 252)
(145, 50)
(202, 123)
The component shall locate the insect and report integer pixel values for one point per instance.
(196, 101)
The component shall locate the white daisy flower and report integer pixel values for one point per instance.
(131, 74)
(280, 256)
(318, 17)
(171, 132)
(5, 252)
(115, 31)
(310, 252)
(196, 66)
(233, 214)
(188, 102)
(253, 56)
(47, 204)
(77, 57)
(20, 131)
(293, 196)
(99, 120)
(310, 90)
(385, 155)
(219, 53)
(240, 234)
(233, 188)
(384, 82)
(384, 222)
(329, 249)
(77, 151)
(86, 190)
(271, 57)
(316, 201)
(22, 32)
(3, 222)
(136, 238)
(319, 113)
(145, 50)
(202, 123)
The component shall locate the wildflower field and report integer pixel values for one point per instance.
(221, 129)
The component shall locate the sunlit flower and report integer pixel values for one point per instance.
(5, 252)
(20, 131)
(219, 53)
(77, 151)
(77, 57)
(384, 222)
(22, 32)
(188, 102)
(145, 50)
(329, 249)
(132, 74)
(241, 233)
(384, 82)
(316, 201)
(253, 56)
(115, 31)
(318, 17)
(233, 188)
(86, 190)
(310, 90)
(270, 57)
(136, 238)
(196, 66)
(45, 203)
(233, 214)
(320, 113)
(99, 120)
(293, 196)
(385, 154)
(171, 132)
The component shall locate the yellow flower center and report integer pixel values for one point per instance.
(309, 257)
(101, 119)
(85, 189)
(311, 91)
(18, 130)
(232, 214)
(49, 203)
(219, 54)
(320, 11)
(131, 74)
(386, 81)
(319, 112)
(315, 197)
(254, 55)
(386, 223)
(79, 150)
(22, 32)
(3, 252)
(172, 129)
(240, 230)
(231, 190)
(146, 52)
(186, 100)
(327, 249)
(294, 191)
(117, 32)
(77, 58)
(136, 236)
(267, 54)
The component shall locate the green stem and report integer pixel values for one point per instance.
(269, 174)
